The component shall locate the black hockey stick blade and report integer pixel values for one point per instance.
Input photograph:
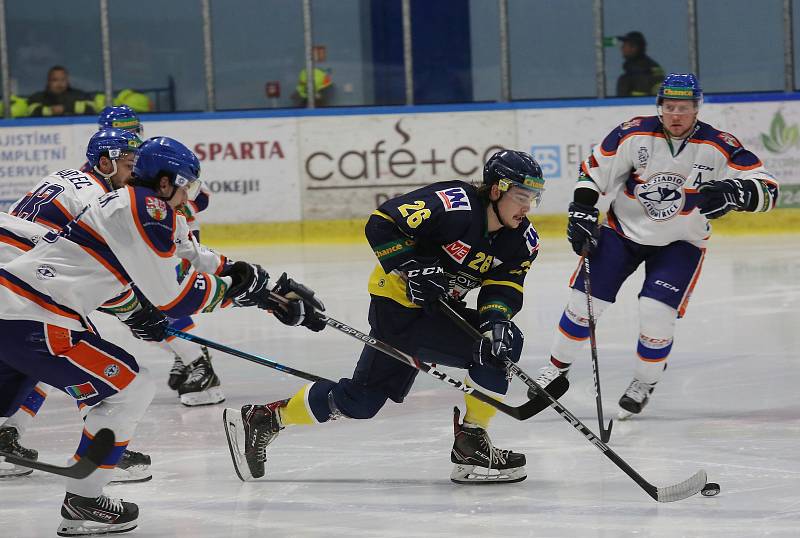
(605, 435)
(99, 448)
(557, 388)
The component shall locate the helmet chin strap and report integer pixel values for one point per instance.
(108, 177)
(497, 211)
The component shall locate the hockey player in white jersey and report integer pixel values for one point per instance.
(127, 236)
(670, 173)
(195, 382)
(50, 205)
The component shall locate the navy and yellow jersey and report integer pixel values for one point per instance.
(447, 221)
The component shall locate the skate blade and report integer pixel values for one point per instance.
(132, 475)
(234, 432)
(80, 527)
(471, 474)
(13, 471)
(624, 414)
(212, 396)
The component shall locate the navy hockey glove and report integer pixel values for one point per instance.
(249, 287)
(426, 282)
(148, 323)
(722, 196)
(301, 306)
(582, 227)
(494, 349)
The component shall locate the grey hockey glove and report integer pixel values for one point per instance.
(148, 323)
(494, 349)
(301, 306)
(722, 196)
(582, 227)
(249, 287)
(426, 282)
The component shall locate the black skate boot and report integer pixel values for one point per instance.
(477, 461)
(635, 398)
(132, 467)
(547, 375)
(249, 432)
(9, 443)
(96, 515)
(177, 374)
(202, 384)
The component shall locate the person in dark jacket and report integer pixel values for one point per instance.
(59, 98)
(641, 74)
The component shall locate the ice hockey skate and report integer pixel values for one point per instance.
(84, 516)
(202, 385)
(635, 398)
(177, 374)
(249, 432)
(9, 443)
(477, 461)
(132, 467)
(547, 375)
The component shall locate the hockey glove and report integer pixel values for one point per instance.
(722, 196)
(582, 227)
(426, 282)
(148, 322)
(249, 287)
(301, 306)
(494, 349)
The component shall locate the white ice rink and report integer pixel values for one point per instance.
(729, 403)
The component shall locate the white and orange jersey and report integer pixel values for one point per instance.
(655, 191)
(59, 197)
(125, 237)
(17, 236)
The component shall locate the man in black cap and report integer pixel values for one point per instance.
(641, 74)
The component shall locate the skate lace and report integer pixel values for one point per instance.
(638, 390)
(197, 373)
(177, 367)
(547, 375)
(496, 455)
(107, 503)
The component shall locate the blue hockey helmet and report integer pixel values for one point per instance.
(120, 117)
(111, 143)
(680, 86)
(163, 156)
(510, 168)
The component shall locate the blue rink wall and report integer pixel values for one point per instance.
(297, 174)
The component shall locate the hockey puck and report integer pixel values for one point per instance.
(710, 489)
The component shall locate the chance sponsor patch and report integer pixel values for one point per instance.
(82, 391)
(454, 199)
(156, 207)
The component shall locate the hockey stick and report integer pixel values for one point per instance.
(676, 492)
(522, 412)
(605, 434)
(99, 447)
(244, 355)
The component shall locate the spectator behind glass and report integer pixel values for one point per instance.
(641, 74)
(59, 98)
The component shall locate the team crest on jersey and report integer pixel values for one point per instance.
(156, 207)
(457, 250)
(729, 139)
(454, 199)
(44, 272)
(112, 370)
(636, 122)
(661, 195)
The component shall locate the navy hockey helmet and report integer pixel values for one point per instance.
(111, 143)
(119, 117)
(680, 86)
(163, 156)
(510, 168)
